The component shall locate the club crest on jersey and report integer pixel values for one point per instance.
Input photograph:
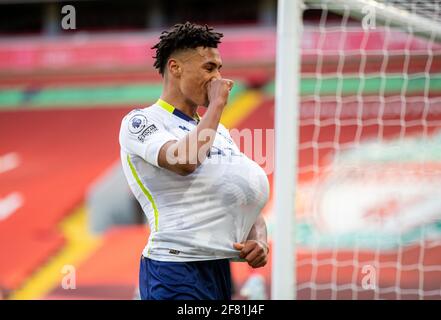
(137, 123)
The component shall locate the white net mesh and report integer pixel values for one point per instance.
(423, 8)
(369, 196)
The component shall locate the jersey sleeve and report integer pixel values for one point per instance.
(143, 134)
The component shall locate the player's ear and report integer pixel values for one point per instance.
(174, 68)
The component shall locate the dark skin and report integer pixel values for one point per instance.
(192, 78)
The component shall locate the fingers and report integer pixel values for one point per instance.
(253, 252)
(248, 247)
(260, 262)
(230, 84)
(257, 252)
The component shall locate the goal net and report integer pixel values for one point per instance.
(368, 196)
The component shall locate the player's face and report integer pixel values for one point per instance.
(199, 68)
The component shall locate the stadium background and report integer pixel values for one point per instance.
(63, 199)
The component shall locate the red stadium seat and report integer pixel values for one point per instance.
(112, 270)
(61, 152)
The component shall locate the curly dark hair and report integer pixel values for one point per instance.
(183, 36)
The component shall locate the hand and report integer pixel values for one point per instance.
(254, 252)
(218, 91)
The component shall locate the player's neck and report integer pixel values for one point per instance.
(180, 103)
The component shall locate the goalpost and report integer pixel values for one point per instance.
(289, 22)
(358, 150)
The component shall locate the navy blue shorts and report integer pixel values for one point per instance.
(196, 280)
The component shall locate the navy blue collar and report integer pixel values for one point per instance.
(182, 115)
(168, 107)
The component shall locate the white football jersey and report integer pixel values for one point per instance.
(193, 217)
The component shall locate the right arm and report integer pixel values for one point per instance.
(185, 155)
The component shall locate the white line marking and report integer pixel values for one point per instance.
(10, 204)
(9, 161)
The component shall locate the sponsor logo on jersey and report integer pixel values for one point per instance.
(151, 129)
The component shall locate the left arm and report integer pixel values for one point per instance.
(255, 249)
